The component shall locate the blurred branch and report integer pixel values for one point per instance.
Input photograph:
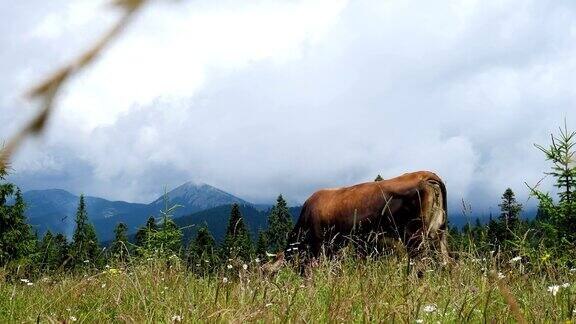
(48, 89)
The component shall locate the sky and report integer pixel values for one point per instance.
(260, 98)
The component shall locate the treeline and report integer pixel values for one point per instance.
(22, 251)
(550, 237)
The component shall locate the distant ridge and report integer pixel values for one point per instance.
(55, 209)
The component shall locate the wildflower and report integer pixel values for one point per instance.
(86, 261)
(515, 259)
(229, 266)
(197, 264)
(419, 321)
(245, 266)
(573, 270)
(270, 255)
(257, 260)
(268, 305)
(176, 318)
(553, 289)
(103, 285)
(501, 275)
(545, 257)
(565, 285)
(429, 308)
(206, 261)
(225, 280)
(29, 284)
(73, 318)
(107, 266)
(25, 280)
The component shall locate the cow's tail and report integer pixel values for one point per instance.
(442, 240)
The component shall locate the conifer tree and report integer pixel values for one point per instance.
(237, 242)
(379, 178)
(62, 250)
(262, 245)
(202, 256)
(143, 234)
(119, 247)
(558, 219)
(84, 240)
(509, 209)
(48, 252)
(16, 238)
(279, 225)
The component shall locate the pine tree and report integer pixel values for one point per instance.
(379, 178)
(558, 219)
(262, 245)
(48, 252)
(279, 226)
(202, 256)
(237, 242)
(62, 250)
(16, 238)
(143, 234)
(119, 247)
(84, 240)
(509, 209)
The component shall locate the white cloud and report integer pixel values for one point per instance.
(289, 97)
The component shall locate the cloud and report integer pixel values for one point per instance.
(289, 97)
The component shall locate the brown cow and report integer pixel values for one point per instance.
(410, 208)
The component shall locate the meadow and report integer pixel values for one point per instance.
(338, 290)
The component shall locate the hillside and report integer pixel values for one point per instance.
(54, 209)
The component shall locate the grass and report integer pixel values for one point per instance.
(341, 290)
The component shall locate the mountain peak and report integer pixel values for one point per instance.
(196, 196)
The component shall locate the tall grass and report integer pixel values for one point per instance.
(343, 289)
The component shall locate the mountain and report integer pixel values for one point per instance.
(194, 197)
(55, 209)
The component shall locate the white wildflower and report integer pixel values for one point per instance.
(25, 280)
(553, 289)
(176, 318)
(103, 285)
(565, 285)
(429, 308)
(419, 321)
(257, 260)
(515, 259)
(229, 266)
(107, 266)
(269, 304)
(197, 264)
(245, 266)
(86, 261)
(573, 270)
(73, 318)
(29, 283)
(501, 275)
(225, 280)
(270, 255)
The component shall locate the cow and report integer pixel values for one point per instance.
(410, 209)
